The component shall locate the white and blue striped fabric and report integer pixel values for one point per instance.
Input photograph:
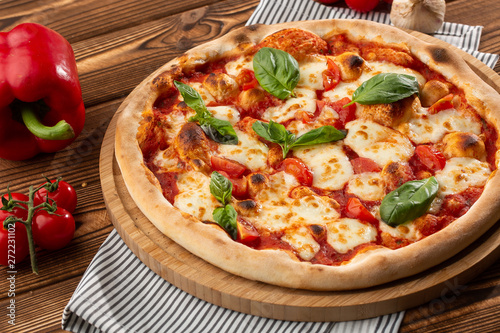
(118, 293)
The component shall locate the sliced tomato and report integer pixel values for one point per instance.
(363, 164)
(247, 79)
(240, 187)
(331, 76)
(356, 210)
(298, 169)
(430, 157)
(246, 233)
(346, 114)
(444, 103)
(232, 168)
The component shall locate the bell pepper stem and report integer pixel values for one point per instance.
(60, 131)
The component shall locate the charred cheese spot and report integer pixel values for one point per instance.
(248, 98)
(221, 86)
(319, 232)
(432, 91)
(396, 174)
(256, 183)
(392, 114)
(350, 65)
(192, 146)
(247, 207)
(460, 144)
(299, 43)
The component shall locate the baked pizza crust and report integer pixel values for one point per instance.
(276, 267)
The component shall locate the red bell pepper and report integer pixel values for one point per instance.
(41, 106)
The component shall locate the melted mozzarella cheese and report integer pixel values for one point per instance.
(345, 234)
(302, 241)
(204, 93)
(346, 89)
(228, 113)
(404, 231)
(275, 212)
(311, 73)
(367, 186)
(343, 89)
(249, 151)
(328, 162)
(234, 67)
(461, 173)
(379, 143)
(387, 67)
(305, 100)
(194, 195)
(425, 128)
(312, 209)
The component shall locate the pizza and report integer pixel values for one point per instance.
(321, 155)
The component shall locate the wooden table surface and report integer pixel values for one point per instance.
(117, 43)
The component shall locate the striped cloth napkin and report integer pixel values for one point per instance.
(118, 293)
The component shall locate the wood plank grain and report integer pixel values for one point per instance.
(41, 310)
(79, 20)
(78, 165)
(120, 60)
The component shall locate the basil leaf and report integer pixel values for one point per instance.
(276, 133)
(409, 201)
(319, 135)
(221, 188)
(277, 71)
(193, 99)
(219, 130)
(385, 88)
(226, 218)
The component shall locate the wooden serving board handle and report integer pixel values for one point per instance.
(202, 280)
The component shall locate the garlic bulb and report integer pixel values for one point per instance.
(421, 15)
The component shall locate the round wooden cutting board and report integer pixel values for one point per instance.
(207, 282)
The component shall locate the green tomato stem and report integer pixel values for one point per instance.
(27, 224)
(60, 131)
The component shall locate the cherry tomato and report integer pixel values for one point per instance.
(346, 114)
(363, 164)
(444, 103)
(331, 76)
(356, 210)
(14, 246)
(247, 233)
(239, 187)
(247, 79)
(362, 5)
(53, 231)
(430, 157)
(232, 168)
(64, 196)
(298, 169)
